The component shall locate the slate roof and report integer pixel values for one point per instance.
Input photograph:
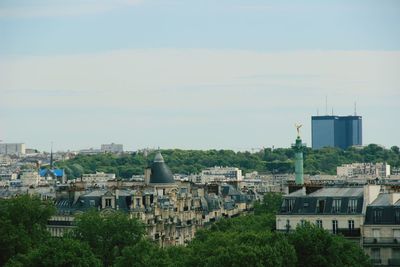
(382, 212)
(160, 173)
(321, 201)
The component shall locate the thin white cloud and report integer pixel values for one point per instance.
(167, 76)
(45, 8)
(196, 98)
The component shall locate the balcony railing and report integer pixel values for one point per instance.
(376, 261)
(349, 232)
(381, 241)
(394, 262)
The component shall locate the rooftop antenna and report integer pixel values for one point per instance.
(326, 105)
(51, 156)
(332, 111)
(355, 108)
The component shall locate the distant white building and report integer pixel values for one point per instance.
(12, 148)
(98, 177)
(381, 170)
(113, 148)
(218, 174)
(30, 178)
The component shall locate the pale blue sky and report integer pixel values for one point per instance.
(194, 74)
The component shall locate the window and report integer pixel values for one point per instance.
(397, 215)
(91, 203)
(287, 225)
(377, 215)
(320, 205)
(288, 204)
(396, 253)
(376, 255)
(137, 203)
(335, 227)
(352, 208)
(351, 225)
(396, 234)
(108, 202)
(319, 223)
(376, 233)
(336, 204)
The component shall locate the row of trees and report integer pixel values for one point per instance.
(117, 240)
(268, 160)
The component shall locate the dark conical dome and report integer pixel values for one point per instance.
(160, 173)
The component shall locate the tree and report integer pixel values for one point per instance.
(107, 234)
(63, 252)
(23, 221)
(144, 254)
(316, 247)
(249, 248)
(270, 204)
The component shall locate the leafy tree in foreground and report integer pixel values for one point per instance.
(316, 247)
(107, 235)
(23, 222)
(63, 252)
(248, 248)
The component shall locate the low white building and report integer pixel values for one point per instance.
(30, 179)
(98, 177)
(381, 170)
(112, 148)
(218, 174)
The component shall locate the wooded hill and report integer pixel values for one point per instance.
(280, 160)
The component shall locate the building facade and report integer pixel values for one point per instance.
(112, 148)
(381, 231)
(381, 170)
(336, 131)
(12, 148)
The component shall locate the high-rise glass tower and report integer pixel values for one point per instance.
(336, 131)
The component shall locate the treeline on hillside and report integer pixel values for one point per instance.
(114, 239)
(280, 160)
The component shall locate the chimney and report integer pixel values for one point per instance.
(147, 174)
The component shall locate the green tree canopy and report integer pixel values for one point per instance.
(107, 234)
(23, 221)
(63, 252)
(316, 247)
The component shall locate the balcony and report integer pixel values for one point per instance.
(381, 242)
(376, 261)
(346, 232)
(394, 262)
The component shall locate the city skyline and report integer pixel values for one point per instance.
(194, 75)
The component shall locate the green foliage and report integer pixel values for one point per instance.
(316, 247)
(270, 204)
(23, 222)
(57, 252)
(107, 235)
(249, 248)
(279, 160)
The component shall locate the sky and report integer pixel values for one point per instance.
(207, 74)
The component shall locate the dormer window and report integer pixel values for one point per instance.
(377, 215)
(320, 205)
(397, 216)
(352, 207)
(108, 202)
(336, 205)
(288, 204)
